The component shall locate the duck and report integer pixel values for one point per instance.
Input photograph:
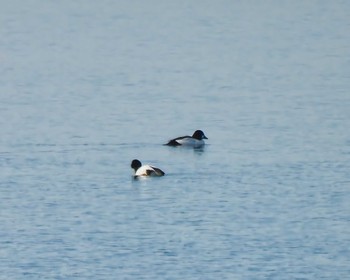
(195, 141)
(145, 170)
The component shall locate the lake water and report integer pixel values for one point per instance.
(87, 86)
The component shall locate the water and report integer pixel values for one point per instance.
(87, 86)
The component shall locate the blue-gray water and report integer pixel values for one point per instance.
(86, 86)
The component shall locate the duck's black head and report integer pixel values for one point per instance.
(136, 164)
(199, 135)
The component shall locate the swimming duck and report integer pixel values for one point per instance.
(145, 170)
(195, 141)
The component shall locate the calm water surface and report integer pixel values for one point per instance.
(87, 86)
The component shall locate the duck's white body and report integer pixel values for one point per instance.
(148, 170)
(190, 142)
